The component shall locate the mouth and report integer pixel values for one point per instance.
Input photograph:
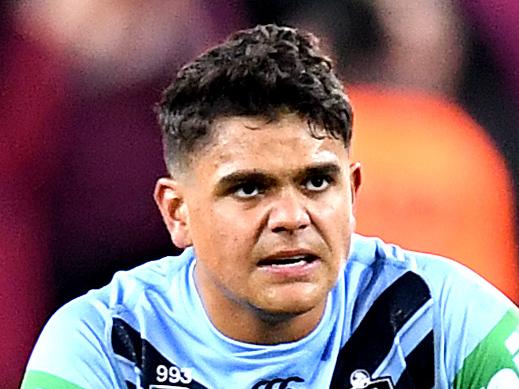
(288, 260)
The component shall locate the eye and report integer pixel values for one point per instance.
(317, 183)
(247, 190)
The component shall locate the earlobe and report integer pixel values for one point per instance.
(169, 199)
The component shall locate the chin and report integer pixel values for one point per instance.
(293, 303)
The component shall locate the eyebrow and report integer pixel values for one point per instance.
(244, 176)
(267, 179)
(323, 169)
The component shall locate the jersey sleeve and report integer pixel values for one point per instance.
(72, 351)
(494, 363)
(480, 334)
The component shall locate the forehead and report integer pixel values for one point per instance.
(255, 143)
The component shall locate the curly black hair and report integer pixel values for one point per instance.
(261, 71)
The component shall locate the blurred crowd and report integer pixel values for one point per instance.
(433, 84)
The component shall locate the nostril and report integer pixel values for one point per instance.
(285, 228)
(278, 229)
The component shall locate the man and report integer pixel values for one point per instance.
(273, 289)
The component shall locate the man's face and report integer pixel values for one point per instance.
(268, 209)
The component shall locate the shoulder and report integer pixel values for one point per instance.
(75, 344)
(127, 292)
(128, 288)
(450, 283)
(470, 319)
(455, 293)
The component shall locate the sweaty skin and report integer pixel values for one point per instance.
(269, 210)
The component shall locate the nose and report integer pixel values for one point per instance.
(288, 213)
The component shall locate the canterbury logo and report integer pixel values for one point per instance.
(277, 383)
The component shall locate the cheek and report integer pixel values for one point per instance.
(221, 228)
(334, 219)
(336, 209)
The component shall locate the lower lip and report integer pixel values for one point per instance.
(295, 271)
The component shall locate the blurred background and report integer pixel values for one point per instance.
(434, 85)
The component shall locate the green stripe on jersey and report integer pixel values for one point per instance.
(495, 358)
(40, 380)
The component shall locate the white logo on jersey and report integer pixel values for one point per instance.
(504, 379)
(361, 379)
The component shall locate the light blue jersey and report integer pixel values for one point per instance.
(395, 319)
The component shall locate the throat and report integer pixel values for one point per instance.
(282, 328)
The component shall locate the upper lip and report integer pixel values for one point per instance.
(284, 255)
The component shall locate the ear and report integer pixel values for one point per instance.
(355, 181)
(169, 199)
